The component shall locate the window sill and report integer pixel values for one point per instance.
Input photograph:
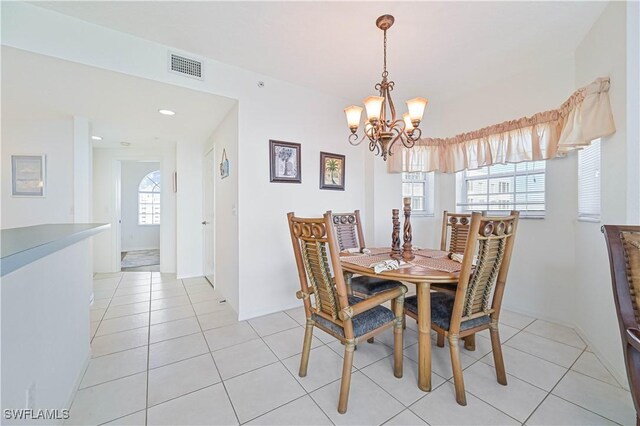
(418, 214)
(589, 219)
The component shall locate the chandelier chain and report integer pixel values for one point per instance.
(384, 73)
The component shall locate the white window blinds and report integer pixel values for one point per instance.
(589, 182)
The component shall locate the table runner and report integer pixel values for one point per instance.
(445, 265)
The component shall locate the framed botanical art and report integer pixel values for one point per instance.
(332, 171)
(28, 175)
(284, 162)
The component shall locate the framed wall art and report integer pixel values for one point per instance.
(224, 165)
(285, 162)
(28, 175)
(332, 171)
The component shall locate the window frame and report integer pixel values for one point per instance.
(462, 204)
(591, 217)
(152, 203)
(428, 182)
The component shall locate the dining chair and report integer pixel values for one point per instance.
(327, 304)
(623, 245)
(455, 231)
(476, 303)
(349, 234)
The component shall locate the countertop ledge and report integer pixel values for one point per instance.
(22, 246)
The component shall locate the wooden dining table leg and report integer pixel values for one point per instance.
(423, 291)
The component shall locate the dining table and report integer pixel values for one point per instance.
(430, 266)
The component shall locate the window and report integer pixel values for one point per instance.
(419, 186)
(504, 187)
(589, 182)
(149, 199)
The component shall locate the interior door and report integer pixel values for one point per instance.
(208, 225)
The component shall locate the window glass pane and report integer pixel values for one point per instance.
(149, 199)
(419, 186)
(406, 190)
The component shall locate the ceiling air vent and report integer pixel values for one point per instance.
(183, 65)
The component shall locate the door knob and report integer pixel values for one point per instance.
(204, 222)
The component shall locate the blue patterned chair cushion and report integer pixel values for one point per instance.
(362, 323)
(370, 285)
(441, 309)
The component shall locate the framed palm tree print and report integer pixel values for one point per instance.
(332, 171)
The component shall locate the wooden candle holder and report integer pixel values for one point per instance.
(396, 253)
(407, 248)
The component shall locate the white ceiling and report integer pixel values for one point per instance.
(436, 49)
(120, 108)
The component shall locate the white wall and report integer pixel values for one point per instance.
(45, 329)
(267, 276)
(134, 236)
(105, 187)
(603, 52)
(52, 136)
(226, 261)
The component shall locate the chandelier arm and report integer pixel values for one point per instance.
(353, 139)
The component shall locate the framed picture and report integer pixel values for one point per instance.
(332, 171)
(28, 175)
(284, 163)
(224, 165)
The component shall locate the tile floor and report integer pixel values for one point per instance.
(169, 351)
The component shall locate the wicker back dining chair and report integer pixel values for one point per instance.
(349, 234)
(476, 304)
(455, 231)
(623, 244)
(327, 304)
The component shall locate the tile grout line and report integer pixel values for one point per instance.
(212, 357)
(146, 403)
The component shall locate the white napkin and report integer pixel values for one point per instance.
(458, 258)
(386, 265)
(356, 250)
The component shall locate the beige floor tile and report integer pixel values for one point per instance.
(135, 419)
(404, 389)
(224, 337)
(100, 304)
(111, 343)
(365, 354)
(440, 408)
(287, 343)
(199, 288)
(167, 293)
(518, 399)
(555, 411)
(298, 315)
(123, 310)
(109, 401)
(514, 319)
(531, 369)
(409, 338)
(324, 367)
(115, 366)
(105, 293)
(204, 296)
(244, 357)
(273, 323)
(589, 365)
(131, 298)
(368, 403)
(220, 318)
(302, 411)
(177, 379)
(209, 406)
(171, 302)
(209, 306)
(178, 349)
(440, 359)
(171, 314)
(262, 390)
(544, 348)
(556, 332)
(96, 314)
(107, 275)
(125, 291)
(611, 402)
(506, 332)
(173, 329)
(195, 281)
(406, 418)
(93, 328)
(129, 322)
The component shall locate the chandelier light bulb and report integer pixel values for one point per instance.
(373, 104)
(408, 124)
(416, 108)
(353, 114)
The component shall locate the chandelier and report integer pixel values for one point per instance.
(381, 131)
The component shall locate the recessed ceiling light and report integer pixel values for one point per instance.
(96, 138)
(166, 112)
(125, 143)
